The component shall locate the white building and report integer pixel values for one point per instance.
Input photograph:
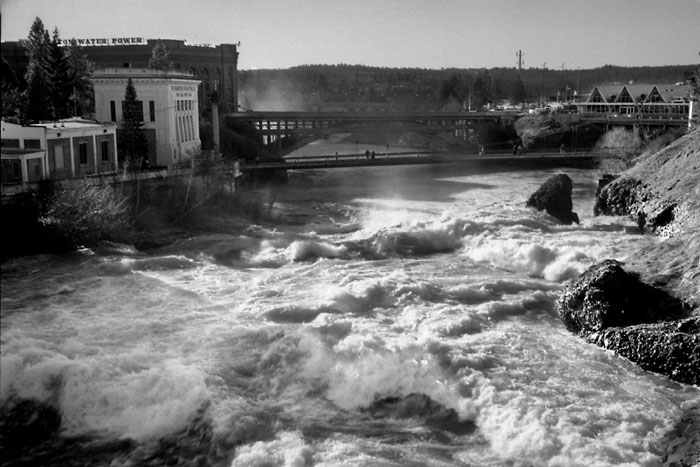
(69, 148)
(170, 106)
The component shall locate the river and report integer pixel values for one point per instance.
(401, 316)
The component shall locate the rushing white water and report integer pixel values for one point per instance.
(315, 340)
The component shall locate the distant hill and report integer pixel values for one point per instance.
(357, 87)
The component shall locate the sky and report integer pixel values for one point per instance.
(570, 34)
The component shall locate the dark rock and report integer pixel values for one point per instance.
(603, 181)
(422, 407)
(628, 196)
(605, 296)
(615, 310)
(670, 348)
(619, 198)
(27, 422)
(554, 197)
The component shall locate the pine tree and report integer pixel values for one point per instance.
(159, 60)
(132, 143)
(518, 92)
(61, 82)
(9, 90)
(80, 69)
(483, 93)
(38, 95)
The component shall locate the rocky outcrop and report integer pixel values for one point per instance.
(662, 194)
(606, 296)
(554, 197)
(627, 197)
(615, 310)
(671, 348)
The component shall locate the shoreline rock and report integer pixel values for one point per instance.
(613, 309)
(554, 197)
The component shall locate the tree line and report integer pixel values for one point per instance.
(318, 86)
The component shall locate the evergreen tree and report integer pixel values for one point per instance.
(482, 94)
(132, 143)
(456, 87)
(38, 95)
(61, 82)
(160, 59)
(518, 92)
(11, 96)
(79, 69)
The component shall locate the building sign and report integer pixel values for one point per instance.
(103, 41)
(183, 91)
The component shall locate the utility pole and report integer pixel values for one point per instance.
(563, 82)
(520, 54)
(544, 98)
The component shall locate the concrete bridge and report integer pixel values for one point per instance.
(308, 126)
(273, 126)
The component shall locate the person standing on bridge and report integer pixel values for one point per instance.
(561, 149)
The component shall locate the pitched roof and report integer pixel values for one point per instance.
(640, 92)
(674, 91)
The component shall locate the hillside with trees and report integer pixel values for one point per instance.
(361, 88)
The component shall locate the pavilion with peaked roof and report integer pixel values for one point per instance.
(647, 100)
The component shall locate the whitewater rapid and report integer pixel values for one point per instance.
(384, 317)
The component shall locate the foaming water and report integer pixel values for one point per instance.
(395, 316)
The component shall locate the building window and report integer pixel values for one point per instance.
(58, 156)
(17, 169)
(113, 111)
(10, 143)
(32, 144)
(83, 152)
(104, 149)
(152, 110)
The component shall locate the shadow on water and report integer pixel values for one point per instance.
(433, 183)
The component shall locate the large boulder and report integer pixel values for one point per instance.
(605, 295)
(670, 348)
(630, 197)
(554, 197)
(643, 323)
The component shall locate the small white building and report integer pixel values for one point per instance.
(170, 106)
(69, 148)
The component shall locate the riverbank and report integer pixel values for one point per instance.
(662, 193)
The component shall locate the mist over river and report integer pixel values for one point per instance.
(393, 316)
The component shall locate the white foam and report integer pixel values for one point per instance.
(288, 449)
(304, 250)
(130, 394)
